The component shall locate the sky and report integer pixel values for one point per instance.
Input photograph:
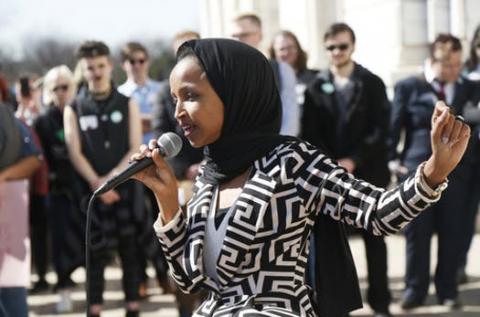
(112, 21)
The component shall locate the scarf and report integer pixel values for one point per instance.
(243, 79)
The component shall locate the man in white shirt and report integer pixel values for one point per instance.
(138, 86)
(413, 103)
(247, 28)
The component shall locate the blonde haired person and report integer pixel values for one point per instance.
(56, 77)
(58, 91)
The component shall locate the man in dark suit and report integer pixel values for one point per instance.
(346, 113)
(413, 105)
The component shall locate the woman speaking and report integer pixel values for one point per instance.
(244, 234)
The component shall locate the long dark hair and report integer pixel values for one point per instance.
(300, 63)
(472, 60)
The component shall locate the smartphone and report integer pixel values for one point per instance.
(25, 90)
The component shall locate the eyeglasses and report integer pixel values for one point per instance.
(140, 61)
(243, 35)
(341, 47)
(60, 87)
(477, 45)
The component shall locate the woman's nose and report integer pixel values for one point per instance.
(178, 109)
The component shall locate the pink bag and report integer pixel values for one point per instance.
(14, 235)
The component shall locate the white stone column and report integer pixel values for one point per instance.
(472, 17)
(438, 18)
(457, 18)
(309, 19)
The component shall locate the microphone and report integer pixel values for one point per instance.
(169, 144)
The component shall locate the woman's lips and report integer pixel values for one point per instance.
(187, 129)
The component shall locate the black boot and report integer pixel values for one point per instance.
(132, 313)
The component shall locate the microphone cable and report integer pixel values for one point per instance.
(87, 252)
(170, 144)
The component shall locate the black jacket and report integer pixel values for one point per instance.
(49, 127)
(365, 127)
(412, 109)
(366, 124)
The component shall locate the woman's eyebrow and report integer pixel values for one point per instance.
(183, 89)
(186, 87)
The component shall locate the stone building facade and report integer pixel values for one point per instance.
(392, 35)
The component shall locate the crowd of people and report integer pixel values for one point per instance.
(70, 135)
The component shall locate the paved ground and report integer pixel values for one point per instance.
(164, 306)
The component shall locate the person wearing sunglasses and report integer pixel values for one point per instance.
(346, 110)
(139, 86)
(144, 90)
(67, 238)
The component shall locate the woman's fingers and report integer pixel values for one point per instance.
(440, 106)
(438, 124)
(158, 177)
(160, 161)
(456, 132)
(464, 133)
(142, 152)
(446, 135)
(152, 144)
(447, 128)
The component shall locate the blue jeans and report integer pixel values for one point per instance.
(13, 302)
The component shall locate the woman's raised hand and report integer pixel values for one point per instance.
(449, 139)
(159, 178)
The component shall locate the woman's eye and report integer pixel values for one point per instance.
(190, 97)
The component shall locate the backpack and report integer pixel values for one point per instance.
(10, 138)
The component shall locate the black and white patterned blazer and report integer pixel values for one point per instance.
(261, 266)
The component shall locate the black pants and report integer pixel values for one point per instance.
(151, 249)
(378, 294)
(39, 234)
(470, 217)
(67, 239)
(127, 251)
(444, 218)
(114, 229)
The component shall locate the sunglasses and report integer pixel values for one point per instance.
(60, 87)
(341, 47)
(140, 61)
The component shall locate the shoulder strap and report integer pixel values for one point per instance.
(276, 73)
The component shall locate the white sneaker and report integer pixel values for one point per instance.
(65, 304)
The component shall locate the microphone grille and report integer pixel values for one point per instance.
(170, 143)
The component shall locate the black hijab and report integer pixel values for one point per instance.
(243, 79)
